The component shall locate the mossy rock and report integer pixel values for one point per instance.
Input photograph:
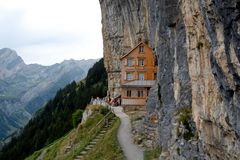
(185, 118)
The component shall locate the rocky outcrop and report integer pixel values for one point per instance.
(197, 44)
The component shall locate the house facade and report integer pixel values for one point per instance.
(138, 74)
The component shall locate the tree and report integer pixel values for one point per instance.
(76, 117)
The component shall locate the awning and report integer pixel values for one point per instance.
(139, 83)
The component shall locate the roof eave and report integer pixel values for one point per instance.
(131, 50)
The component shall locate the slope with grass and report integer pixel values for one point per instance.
(55, 119)
(107, 147)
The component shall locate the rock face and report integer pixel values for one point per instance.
(25, 88)
(197, 95)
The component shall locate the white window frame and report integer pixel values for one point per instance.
(141, 62)
(140, 93)
(129, 62)
(129, 76)
(141, 49)
(141, 76)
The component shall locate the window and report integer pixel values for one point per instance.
(129, 93)
(141, 76)
(141, 62)
(129, 76)
(140, 93)
(141, 49)
(129, 62)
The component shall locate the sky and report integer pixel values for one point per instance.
(50, 31)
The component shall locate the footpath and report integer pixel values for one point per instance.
(130, 150)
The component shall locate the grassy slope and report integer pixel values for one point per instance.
(107, 148)
(152, 154)
(55, 119)
(109, 144)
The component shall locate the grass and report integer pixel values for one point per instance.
(107, 148)
(185, 115)
(56, 149)
(152, 154)
(34, 156)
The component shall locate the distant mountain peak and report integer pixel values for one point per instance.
(10, 62)
(24, 88)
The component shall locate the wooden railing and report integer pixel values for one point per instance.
(102, 120)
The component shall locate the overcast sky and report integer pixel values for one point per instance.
(49, 31)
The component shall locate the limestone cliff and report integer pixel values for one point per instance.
(197, 95)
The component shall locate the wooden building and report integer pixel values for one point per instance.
(138, 74)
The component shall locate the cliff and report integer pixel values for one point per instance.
(197, 95)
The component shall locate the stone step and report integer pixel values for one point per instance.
(103, 131)
(83, 152)
(79, 157)
(90, 146)
(87, 149)
(100, 135)
(95, 139)
(93, 142)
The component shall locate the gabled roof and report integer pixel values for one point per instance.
(132, 50)
(140, 83)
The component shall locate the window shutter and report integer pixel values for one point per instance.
(125, 76)
(125, 61)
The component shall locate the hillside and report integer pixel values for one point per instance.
(26, 88)
(55, 119)
(81, 140)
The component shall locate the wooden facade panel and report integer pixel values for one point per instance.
(141, 102)
(134, 92)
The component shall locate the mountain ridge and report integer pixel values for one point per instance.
(55, 120)
(24, 88)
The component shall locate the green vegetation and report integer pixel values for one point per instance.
(55, 119)
(107, 148)
(104, 110)
(87, 133)
(34, 156)
(152, 154)
(178, 150)
(76, 117)
(185, 118)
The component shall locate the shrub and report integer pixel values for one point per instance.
(104, 110)
(185, 117)
(76, 117)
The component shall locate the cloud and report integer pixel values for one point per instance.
(61, 29)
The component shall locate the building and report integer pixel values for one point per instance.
(138, 74)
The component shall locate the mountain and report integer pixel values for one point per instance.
(54, 120)
(26, 88)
